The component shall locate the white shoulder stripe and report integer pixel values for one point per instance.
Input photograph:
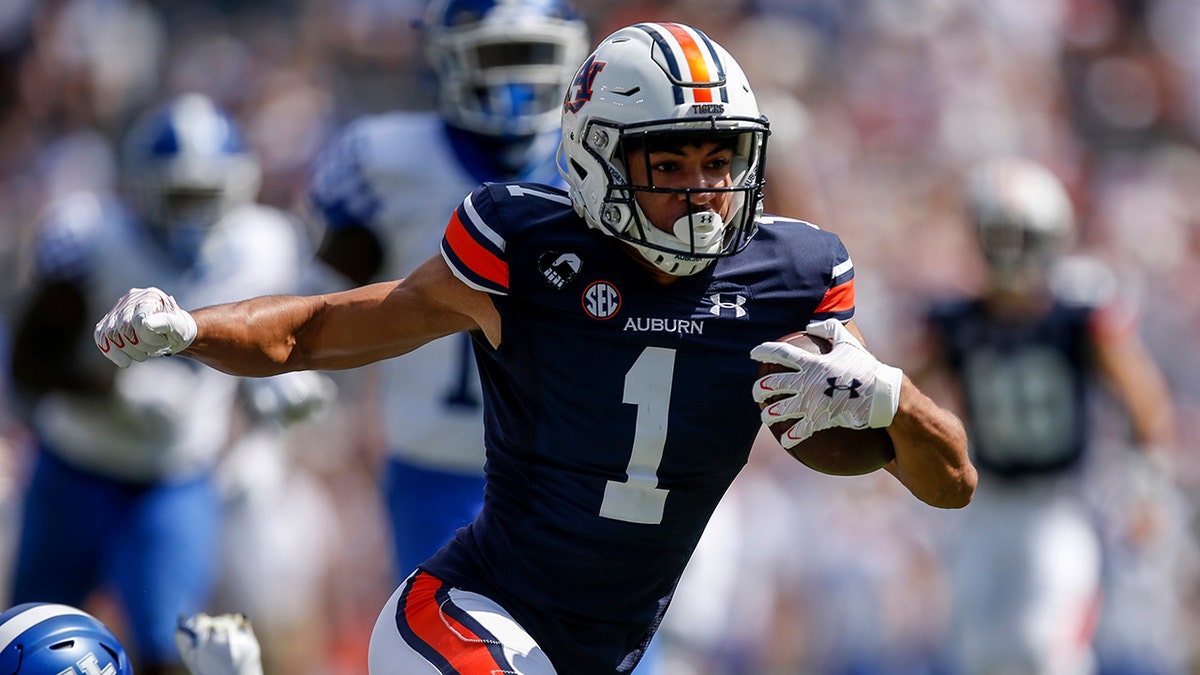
(30, 618)
(769, 219)
(843, 267)
(486, 231)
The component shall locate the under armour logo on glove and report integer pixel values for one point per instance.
(834, 386)
(809, 389)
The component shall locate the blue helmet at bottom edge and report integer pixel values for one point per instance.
(39, 638)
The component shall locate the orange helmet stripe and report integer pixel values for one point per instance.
(697, 65)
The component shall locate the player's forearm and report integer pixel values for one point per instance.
(931, 451)
(256, 337)
(275, 334)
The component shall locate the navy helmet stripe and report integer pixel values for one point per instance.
(669, 53)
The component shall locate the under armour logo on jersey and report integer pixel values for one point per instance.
(559, 268)
(580, 91)
(734, 303)
(834, 386)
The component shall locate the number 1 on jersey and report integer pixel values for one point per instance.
(648, 386)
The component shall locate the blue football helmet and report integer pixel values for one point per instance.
(503, 65)
(39, 638)
(186, 166)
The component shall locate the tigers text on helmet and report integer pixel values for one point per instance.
(40, 638)
(502, 65)
(1024, 219)
(647, 84)
(186, 166)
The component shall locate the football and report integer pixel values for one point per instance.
(837, 451)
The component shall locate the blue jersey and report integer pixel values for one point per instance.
(1025, 383)
(617, 410)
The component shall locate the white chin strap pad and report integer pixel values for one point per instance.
(706, 227)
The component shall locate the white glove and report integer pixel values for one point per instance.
(145, 322)
(218, 645)
(291, 397)
(848, 387)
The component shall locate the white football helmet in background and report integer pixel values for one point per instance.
(1024, 218)
(186, 166)
(646, 82)
(502, 65)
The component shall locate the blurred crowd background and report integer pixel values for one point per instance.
(877, 110)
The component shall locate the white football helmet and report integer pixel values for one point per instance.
(646, 82)
(502, 65)
(1024, 219)
(186, 166)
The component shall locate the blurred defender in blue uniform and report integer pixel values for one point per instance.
(384, 190)
(616, 325)
(124, 471)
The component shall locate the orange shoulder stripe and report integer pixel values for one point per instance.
(838, 299)
(480, 260)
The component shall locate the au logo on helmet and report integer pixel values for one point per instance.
(580, 91)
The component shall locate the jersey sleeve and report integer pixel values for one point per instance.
(838, 302)
(339, 191)
(474, 244)
(824, 253)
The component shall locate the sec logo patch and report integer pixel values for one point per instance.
(601, 300)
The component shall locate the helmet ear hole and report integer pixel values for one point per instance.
(579, 169)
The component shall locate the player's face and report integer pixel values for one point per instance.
(696, 165)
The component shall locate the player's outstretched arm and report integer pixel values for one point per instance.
(274, 334)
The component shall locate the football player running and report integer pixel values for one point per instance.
(612, 323)
(1023, 357)
(384, 190)
(124, 471)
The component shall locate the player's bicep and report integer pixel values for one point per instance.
(449, 305)
(388, 319)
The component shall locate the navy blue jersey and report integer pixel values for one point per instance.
(618, 410)
(1026, 384)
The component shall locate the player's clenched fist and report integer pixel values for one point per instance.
(145, 322)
